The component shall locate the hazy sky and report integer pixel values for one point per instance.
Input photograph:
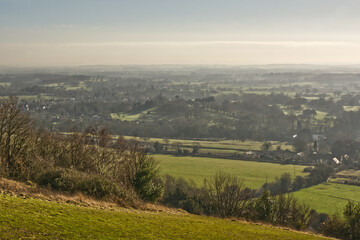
(86, 32)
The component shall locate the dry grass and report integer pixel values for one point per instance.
(32, 190)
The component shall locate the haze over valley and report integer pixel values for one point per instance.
(179, 120)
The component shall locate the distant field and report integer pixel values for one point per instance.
(349, 173)
(31, 97)
(125, 117)
(254, 174)
(208, 145)
(131, 117)
(351, 108)
(329, 197)
(347, 176)
(320, 115)
(268, 92)
(37, 219)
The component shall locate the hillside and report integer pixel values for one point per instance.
(24, 217)
(328, 197)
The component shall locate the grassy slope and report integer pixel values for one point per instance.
(329, 197)
(39, 219)
(197, 168)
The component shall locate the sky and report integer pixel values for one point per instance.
(235, 32)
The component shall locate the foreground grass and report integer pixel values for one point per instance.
(39, 219)
(255, 174)
(329, 197)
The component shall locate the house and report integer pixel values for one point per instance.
(336, 160)
(318, 137)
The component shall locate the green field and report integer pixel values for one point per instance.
(254, 174)
(329, 197)
(125, 117)
(211, 145)
(31, 97)
(38, 219)
(320, 115)
(351, 108)
(131, 117)
(349, 173)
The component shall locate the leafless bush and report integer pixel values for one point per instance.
(227, 194)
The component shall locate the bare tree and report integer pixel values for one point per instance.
(15, 133)
(227, 194)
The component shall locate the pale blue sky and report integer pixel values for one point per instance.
(77, 32)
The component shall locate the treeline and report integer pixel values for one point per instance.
(346, 227)
(225, 195)
(89, 162)
(286, 183)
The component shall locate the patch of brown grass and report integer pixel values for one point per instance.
(29, 189)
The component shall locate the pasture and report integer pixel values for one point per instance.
(254, 174)
(215, 145)
(328, 197)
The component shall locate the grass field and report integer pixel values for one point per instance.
(32, 97)
(38, 219)
(219, 152)
(268, 92)
(320, 115)
(347, 176)
(125, 117)
(350, 173)
(329, 197)
(351, 108)
(131, 117)
(254, 174)
(208, 145)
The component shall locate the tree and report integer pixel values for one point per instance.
(157, 147)
(15, 134)
(298, 183)
(166, 141)
(315, 146)
(266, 146)
(286, 210)
(299, 145)
(227, 194)
(285, 182)
(335, 226)
(141, 173)
(347, 227)
(195, 148)
(308, 113)
(263, 207)
(352, 218)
